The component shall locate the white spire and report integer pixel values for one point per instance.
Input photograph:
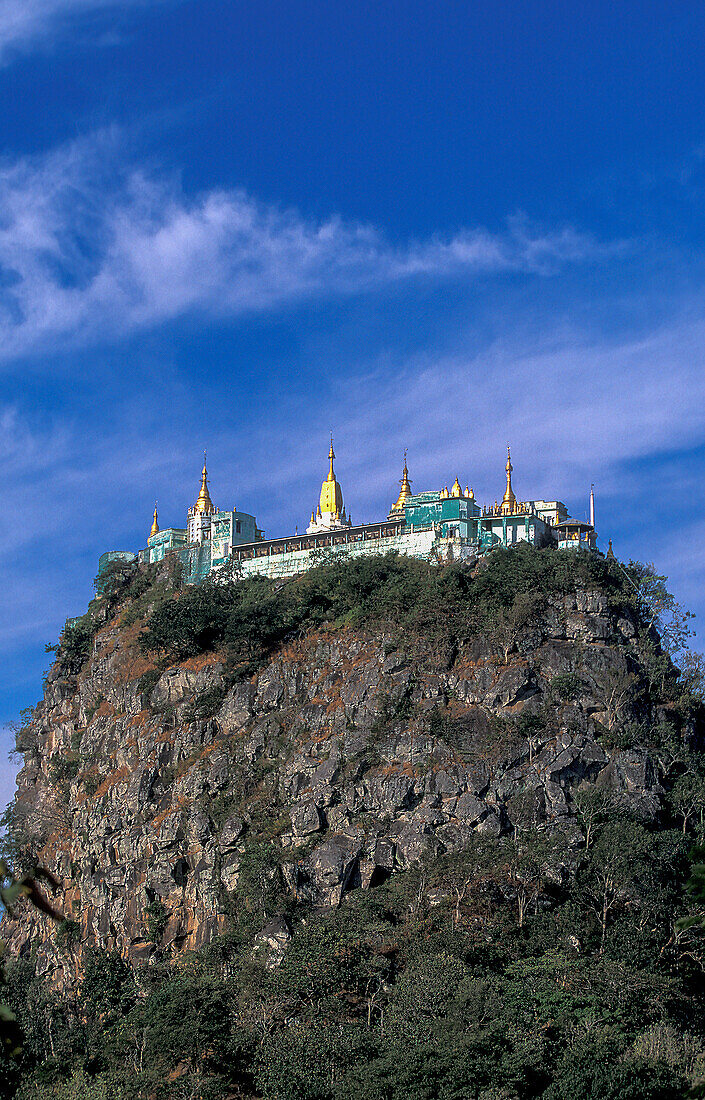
(592, 505)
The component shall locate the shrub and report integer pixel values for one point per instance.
(108, 985)
(94, 706)
(156, 920)
(25, 733)
(147, 682)
(566, 686)
(75, 645)
(205, 704)
(90, 783)
(249, 618)
(62, 771)
(68, 933)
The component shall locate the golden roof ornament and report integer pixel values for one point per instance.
(456, 490)
(331, 500)
(204, 504)
(508, 500)
(155, 522)
(405, 489)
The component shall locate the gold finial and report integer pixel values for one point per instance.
(508, 500)
(456, 491)
(331, 499)
(405, 488)
(204, 504)
(155, 524)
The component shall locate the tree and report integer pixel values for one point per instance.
(596, 1068)
(593, 805)
(186, 1039)
(531, 859)
(618, 689)
(693, 674)
(617, 865)
(688, 798)
(511, 621)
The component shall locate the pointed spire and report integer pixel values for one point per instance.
(456, 490)
(592, 505)
(405, 488)
(509, 500)
(610, 551)
(204, 503)
(155, 522)
(331, 498)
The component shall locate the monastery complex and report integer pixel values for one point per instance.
(439, 524)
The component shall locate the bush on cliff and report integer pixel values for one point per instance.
(250, 617)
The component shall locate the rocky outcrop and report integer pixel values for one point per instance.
(353, 755)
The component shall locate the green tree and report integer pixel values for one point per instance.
(615, 870)
(597, 1068)
(593, 806)
(687, 798)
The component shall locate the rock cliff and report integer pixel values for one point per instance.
(150, 787)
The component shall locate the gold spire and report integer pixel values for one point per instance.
(155, 523)
(405, 489)
(204, 503)
(508, 500)
(456, 491)
(331, 494)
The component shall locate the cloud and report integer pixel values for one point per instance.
(25, 24)
(576, 408)
(92, 247)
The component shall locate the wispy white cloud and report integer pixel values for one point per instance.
(576, 408)
(25, 24)
(92, 247)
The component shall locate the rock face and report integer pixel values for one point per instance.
(352, 754)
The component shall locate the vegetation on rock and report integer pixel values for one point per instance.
(388, 830)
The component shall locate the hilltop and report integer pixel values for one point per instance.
(386, 829)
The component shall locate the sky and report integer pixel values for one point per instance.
(440, 227)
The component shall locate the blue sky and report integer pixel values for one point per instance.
(238, 225)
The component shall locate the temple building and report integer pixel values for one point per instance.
(436, 525)
(208, 538)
